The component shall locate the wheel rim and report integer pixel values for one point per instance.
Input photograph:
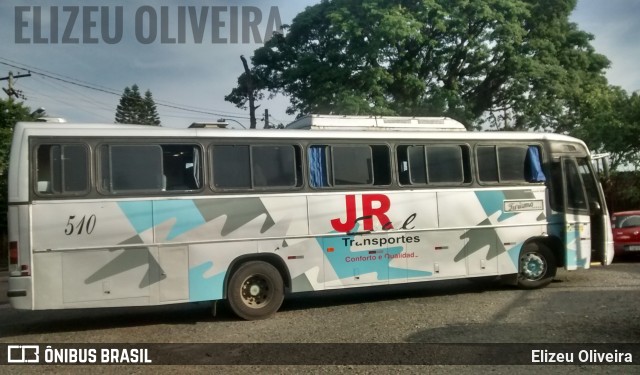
(532, 266)
(256, 291)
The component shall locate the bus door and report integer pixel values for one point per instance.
(601, 238)
(580, 231)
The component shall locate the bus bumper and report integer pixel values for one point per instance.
(19, 293)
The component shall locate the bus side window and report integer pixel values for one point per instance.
(487, 164)
(352, 165)
(509, 164)
(245, 167)
(273, 166)
(434, 165)
(576, 199)
(402, 155)
(533, 166)
(62, 169)
(181, 167)
(445, 165)
(417, 165)
(319, 162)
(345, 165)
(43, 169)
(131, 168)
(231, 166)
(381, 165)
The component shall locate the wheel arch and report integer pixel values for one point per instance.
(553, 243)
(272, 259)
(537, 263)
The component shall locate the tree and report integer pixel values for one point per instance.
(133, 109)
(11, 112)
(151, 116)
(247, 92)
(512, 64)
(610, 122)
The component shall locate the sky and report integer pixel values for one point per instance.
(81, 75)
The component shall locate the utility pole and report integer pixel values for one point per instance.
(10, 91)
(266, 119)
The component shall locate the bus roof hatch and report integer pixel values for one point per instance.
(337, 122)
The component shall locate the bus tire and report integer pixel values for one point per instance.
(537, 266)
(255, 290)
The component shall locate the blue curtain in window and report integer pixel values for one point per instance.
(318, 166)
(533, 167)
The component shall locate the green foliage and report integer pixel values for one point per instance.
(134, 109)
(151, 113)
(610, 122)
(240, 94)
(622, 191)
(11, 112)
(508, 64)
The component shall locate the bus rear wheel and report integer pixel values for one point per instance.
(537, 266)
(255, 290)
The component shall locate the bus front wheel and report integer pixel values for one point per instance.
(537, 266)
(255, 290)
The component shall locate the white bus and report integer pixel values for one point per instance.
(125, 215)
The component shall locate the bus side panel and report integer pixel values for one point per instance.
(434, 252)
(47, 286)
(304, 259)
(183, 273)
(208, 267)
(366, 238)
(173, 262)
(108, 277)
(266, 221)
(499, 222)
(476, 249)
(229, 218)
(510, 242)
(20, 289)
(93, 254)
(94, 278)
(91, 224)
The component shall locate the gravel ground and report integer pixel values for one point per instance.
(600, 305)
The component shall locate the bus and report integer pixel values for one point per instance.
(110, 215)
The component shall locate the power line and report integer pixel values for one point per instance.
(64, 92)
(102, 89)
(50, 72)
(108, 90)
